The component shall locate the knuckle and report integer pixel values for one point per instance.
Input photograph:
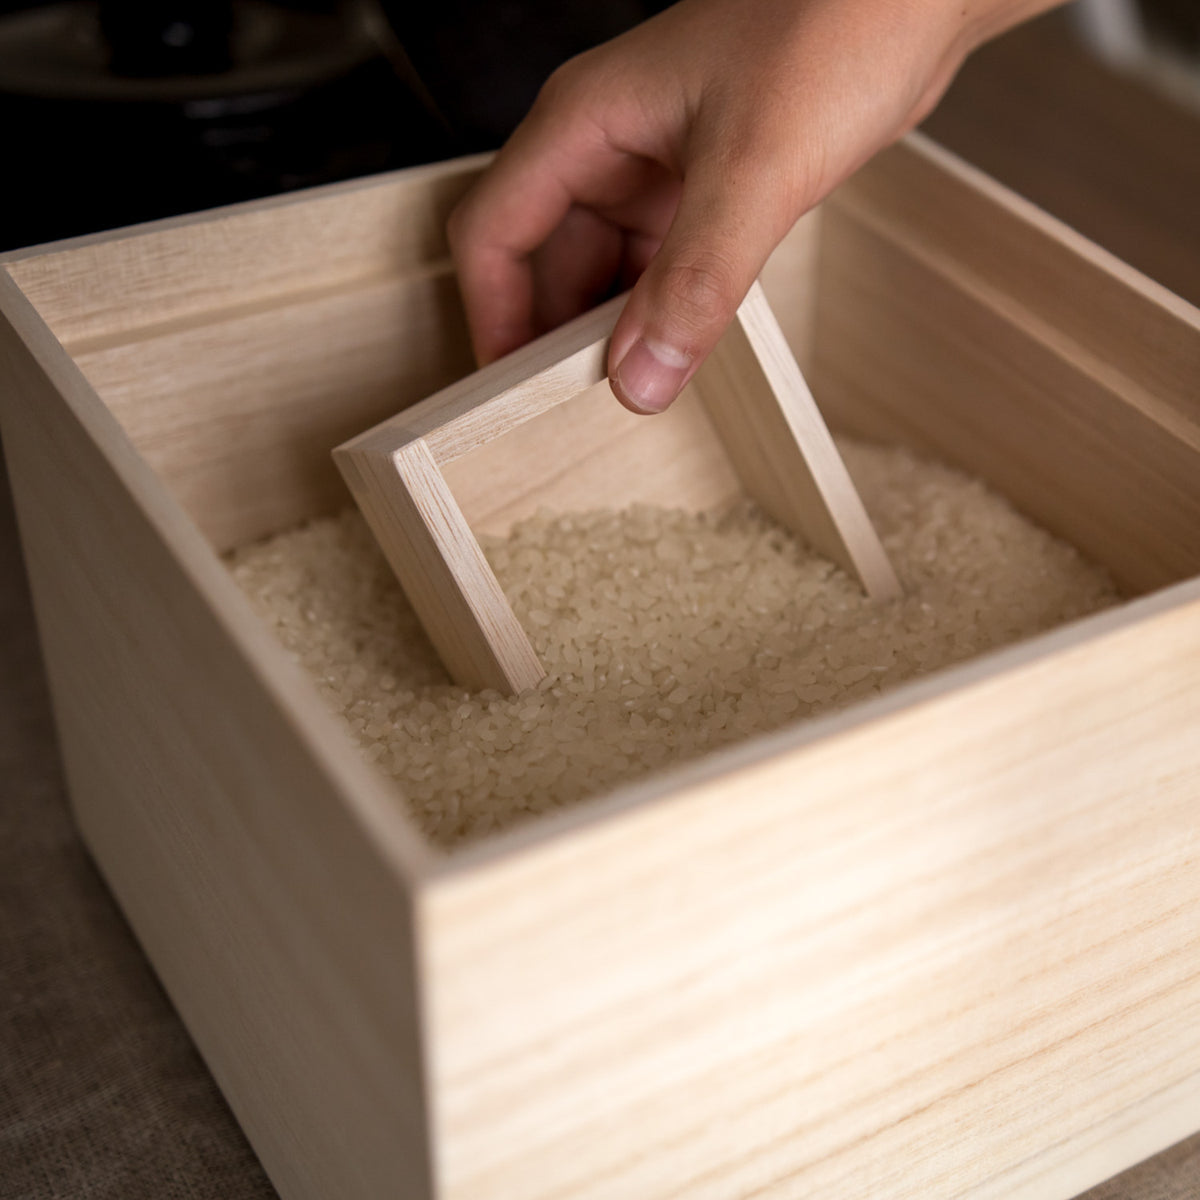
(698, 292)
(578, 88)
(563, 88)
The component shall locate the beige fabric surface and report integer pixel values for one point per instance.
(101, 1093)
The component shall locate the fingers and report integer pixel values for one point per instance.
(732, 213)
(559, 159)
(492, 233)
(575, 268)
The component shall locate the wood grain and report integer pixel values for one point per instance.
(590, 450)
(795, 305)
(928, 949)
(1096, 307)
(426, 539)
(260, 863)
(498, 399)
(394, 473)
(236, 412)
(1018, 359)
(781, 448)
(119, 285)
(1096, 146)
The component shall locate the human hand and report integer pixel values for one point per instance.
(680, 154)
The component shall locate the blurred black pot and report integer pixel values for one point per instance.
(120, 112)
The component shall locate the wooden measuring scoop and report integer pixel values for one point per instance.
(754, 395)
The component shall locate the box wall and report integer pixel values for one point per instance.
(1052, 371)
(235, 390)
(238, 414)
(280, 928)
(109, 288)
(946, 951)
(238, 348)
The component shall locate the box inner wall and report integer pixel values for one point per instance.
(237, 410)
(927, 306)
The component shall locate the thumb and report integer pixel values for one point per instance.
(723, 231)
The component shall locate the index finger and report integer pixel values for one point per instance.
(554, 159)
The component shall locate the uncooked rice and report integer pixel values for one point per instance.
(665, 634)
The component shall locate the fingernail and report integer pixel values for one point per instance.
(651, 375)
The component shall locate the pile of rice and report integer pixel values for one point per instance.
(665, 634)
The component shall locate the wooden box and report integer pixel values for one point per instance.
(943, 944)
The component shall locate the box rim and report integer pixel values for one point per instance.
(462, 164)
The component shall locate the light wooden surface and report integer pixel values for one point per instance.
(1101, 149)
(574, 453)
(753, 393)
(781, 448)
(940, 946)
(503, 396)
(237, 411)
(1029, 356)
(259, 861)
(439, 561)
(242, 259)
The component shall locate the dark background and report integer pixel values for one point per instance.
(116, 111)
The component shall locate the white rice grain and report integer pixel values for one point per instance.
(665, 634)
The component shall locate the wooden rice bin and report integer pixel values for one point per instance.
(942, 944)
